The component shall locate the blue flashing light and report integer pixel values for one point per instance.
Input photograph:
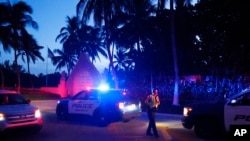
(103, 87)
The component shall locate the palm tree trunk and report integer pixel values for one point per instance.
(112, 64)
(173, 44)
(2, 78)
(110, 56)
(18, 72)
(30, 78)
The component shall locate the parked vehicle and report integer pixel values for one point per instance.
(17, 112)
(211, 119)
(103, 106)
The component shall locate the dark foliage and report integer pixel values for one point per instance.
(28, 80)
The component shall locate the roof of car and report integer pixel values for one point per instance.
(2, 91)
(247, 90)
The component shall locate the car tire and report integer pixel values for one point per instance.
(61, 113)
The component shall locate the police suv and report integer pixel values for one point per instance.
(105, 106)
(212, 119)
(17, 112)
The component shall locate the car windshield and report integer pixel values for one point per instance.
(12, 99)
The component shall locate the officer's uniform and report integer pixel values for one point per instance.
(152, 102)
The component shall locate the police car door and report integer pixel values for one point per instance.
(237, 111)
(84, 103)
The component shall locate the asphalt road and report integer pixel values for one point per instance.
(83, 129)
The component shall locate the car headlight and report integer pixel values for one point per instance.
(38, 113)
(186, 111)
(2, 117)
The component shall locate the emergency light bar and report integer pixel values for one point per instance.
(103, 87)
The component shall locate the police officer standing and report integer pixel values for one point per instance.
(152, 101)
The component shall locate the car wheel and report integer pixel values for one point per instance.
(61, 113)
(206, 128)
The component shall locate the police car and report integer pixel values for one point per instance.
(104, 106)
(212, 119)
(17, 112)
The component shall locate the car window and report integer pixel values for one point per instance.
(242, 99)
(94, 95)
(80, 96)
(12, 99)
(4, 99)
(245, 99)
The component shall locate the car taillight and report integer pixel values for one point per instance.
(2, 117)
(38, 113)
(186, 111)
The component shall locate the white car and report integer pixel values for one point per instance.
(17, 112)
(104, 106)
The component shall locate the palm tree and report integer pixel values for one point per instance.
(69, 38)
(103, 12)
(133, 35)
(173, 46)
(30, 50)
(91, 42)
(63, 59)
(3, 30)
(78, 38)
(138, 18)
(7, 65)
(122, 60)
(2, 76)
(3, 38)
(17, 19)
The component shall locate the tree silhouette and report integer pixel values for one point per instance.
(63, 60)
(103, 12)
(17, 17)
(69, 36)
(122, 61)
(78, 38)
(30, 51)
